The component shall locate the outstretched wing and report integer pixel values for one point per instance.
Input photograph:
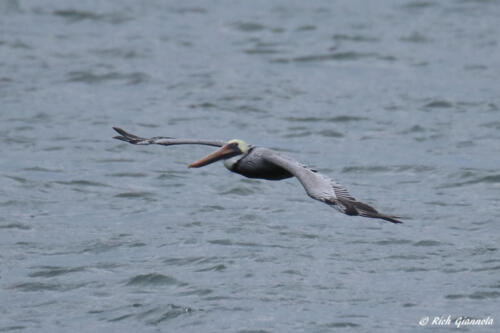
(163, 140)
(324, 189)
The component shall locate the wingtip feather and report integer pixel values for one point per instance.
(127, 137)
(393, 219)
(119, 137)
(122, 132)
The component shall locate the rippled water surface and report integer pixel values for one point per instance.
(398, 100)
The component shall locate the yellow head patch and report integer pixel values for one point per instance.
(241, 145)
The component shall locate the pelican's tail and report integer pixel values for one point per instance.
(359, 208)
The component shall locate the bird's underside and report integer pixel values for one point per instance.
(264, 163)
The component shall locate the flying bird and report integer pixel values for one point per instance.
(263, 163)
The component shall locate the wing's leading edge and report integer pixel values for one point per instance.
(163, 140)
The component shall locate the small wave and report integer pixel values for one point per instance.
(415, 37)
(203, 105)
(486, 179)
(249, 217)
(475, 67)
(238, 191)
(128, 174)
(240, 98)
(354, 38)
(414, 129)
(216, 268)
(5, 80)
(262, 51)
(453, 270)
(409, 305)
(292, 272)
(23, 127)
(491, 179)
(406, 257)
(36, 286)
(15, 226)
(336, 119)
(248, 26)
(338, 56)
(82, 182)
(307, 27)
(493, 124)
(455, 296)
(21, 180)
(493, 107)
(171, 174)
(300, 134)
(100, 247)
(14, 203)
(300, 235)
(419, 4)
(74, 15)
(393, 242)
(154, 279)
(12, 328)
(170, 312)
(488, 268)
(153, 315)
(330, 134)
(342, 324)
(437, 203)
(188, 10)
(18, 140)
(91, 78)
(189, 260)
(427, 242)
(178, 120)
(54, 148)
(40, 286)
(122, 317)
(211, 208)
(495, 286)
(19, 45)
(41, 169)
(114, 160)
(249, 109)
(51, 271)
(221, 242)
(415, 269)
(230, 242)
(149, 125)
(439, 104)
(133, 195)
(475, 295)
(196, 292)
(120, 53)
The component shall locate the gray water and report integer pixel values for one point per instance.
(397, 100)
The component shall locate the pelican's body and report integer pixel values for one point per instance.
(253, 165)
(264, 163)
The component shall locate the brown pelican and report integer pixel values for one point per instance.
(264, 163)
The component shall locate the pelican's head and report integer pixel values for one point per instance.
(232, 151)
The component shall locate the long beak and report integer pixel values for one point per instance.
(225, 152)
